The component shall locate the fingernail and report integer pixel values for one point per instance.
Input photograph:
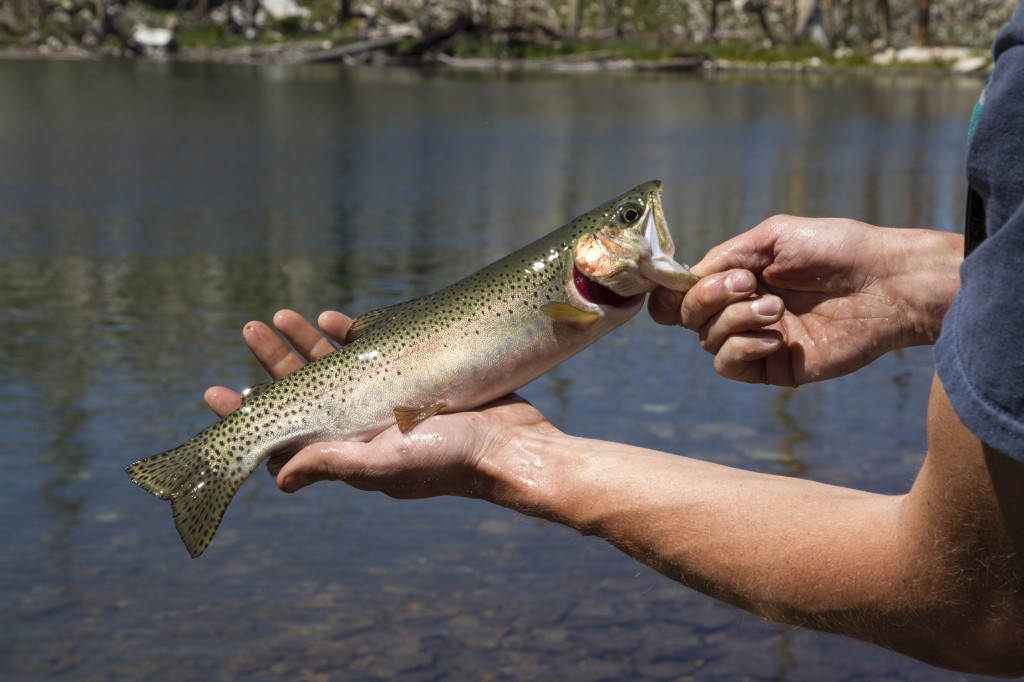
(738, 282)
(294, 482)
(768, 306)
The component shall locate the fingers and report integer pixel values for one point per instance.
(745, 357)
(316, 462)
(275, 356)
(664, 304)
(391, 463)
(734, 321)
(303, 336)
(309, 344)
(706, 299)
(270, 350)
(713, 294)
(223, 401)
(334, 324)
(735, 325)
(750, 315)
(442, 456)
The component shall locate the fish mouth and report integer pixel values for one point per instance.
(629, 256)
(598, 294)
(656, 234)
(659, 265)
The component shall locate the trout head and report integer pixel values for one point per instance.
(630, 251)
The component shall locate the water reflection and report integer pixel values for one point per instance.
(794, 435)
(151, 209)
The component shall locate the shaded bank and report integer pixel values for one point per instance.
(575, 35)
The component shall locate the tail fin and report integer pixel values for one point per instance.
(199, 479)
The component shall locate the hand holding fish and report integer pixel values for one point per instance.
(461, 347)
(441, 460)
(797, 300)
(775, 545)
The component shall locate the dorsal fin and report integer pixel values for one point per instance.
(367, 322)
(250, 393)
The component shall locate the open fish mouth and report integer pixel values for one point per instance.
(659, 264)
(593, 292)
(631, 255)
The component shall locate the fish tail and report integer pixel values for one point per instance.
(199, 478)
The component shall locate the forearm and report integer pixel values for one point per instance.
(870, 566)
(784, 548)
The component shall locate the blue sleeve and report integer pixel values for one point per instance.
(980, 353)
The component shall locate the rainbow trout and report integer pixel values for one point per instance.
(471, 342)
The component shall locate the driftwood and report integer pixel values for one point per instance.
(582, 64)
(341, 52)
(460, 24)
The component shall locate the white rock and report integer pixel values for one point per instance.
(280, 10)
(970, 65)
(153, 38)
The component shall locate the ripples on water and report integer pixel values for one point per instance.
(149, 210)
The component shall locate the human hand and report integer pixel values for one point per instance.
(796, 300)
(452, 454)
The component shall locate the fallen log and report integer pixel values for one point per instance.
(461, 23)
(332, 54)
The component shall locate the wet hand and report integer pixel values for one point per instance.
(736, 321)
(797, 300)
(450, 454)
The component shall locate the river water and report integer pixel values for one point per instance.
(150, 209)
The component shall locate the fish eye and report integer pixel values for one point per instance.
(630, 212)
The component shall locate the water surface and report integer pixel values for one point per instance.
(150, 210)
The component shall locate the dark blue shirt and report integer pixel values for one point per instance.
(980, 354)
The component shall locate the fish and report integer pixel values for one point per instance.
(459, 348)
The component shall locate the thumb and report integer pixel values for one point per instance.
(752, 250)
(316, 462)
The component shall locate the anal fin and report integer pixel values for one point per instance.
(408, 417)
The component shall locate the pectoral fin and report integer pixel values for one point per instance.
(569, 315)
(408, 417)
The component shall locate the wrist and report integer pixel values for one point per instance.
(568, 480)
(925, 280)
(521, 469)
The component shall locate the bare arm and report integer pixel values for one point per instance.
(934, 574)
